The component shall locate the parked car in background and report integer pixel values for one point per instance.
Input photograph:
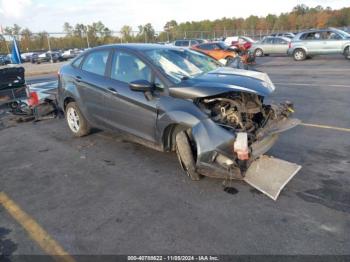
(26, 57)
(286, 34)
(175, 99)
(320, 42)
(38, 58)
(69, 54)
(239, 41)
(188, 42)
(4, 60)
(218, 50)
(271, 45)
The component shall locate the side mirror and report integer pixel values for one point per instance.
(141, 86)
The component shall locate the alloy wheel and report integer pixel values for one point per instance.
(73, 120)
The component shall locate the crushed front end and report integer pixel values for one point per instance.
(239, 131)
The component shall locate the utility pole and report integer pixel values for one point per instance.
(48, 42)
(87, 38)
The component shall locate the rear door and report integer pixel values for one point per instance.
(334, 42)
(125, 109)
(313, 42)
(268, 45)
(91, 84)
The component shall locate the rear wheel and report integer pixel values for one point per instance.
(77, 123)
(299, 55)
(258, 52)
(185, 155)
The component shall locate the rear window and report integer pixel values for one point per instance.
(96, 62)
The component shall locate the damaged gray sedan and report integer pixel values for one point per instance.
(174, 99)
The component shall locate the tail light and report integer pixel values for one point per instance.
(247, 45)
(290, 45)
(33, 99)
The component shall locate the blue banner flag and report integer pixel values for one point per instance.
(15, 54)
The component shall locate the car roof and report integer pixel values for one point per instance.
(137, 47)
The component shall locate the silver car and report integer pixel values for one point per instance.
(271, 45)
(320, 42)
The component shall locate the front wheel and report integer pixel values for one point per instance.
(185, 155)
(299, 55)
(77, 123)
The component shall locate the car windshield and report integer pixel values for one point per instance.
(343, 33)
(180, 64)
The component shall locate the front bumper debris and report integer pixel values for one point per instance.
(267, 174)
(270, 175)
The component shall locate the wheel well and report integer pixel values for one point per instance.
(299, 48)
(169, 136)
(347, 47)
(67, 100)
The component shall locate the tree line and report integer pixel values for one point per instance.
(82, 36)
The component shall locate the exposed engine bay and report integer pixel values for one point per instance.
(243, 112)
(254, 128)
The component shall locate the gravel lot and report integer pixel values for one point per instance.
(104, 195)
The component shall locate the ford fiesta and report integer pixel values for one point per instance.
(174, 99)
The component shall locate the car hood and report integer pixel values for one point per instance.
(223, 80)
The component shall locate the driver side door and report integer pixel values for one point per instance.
(128, 110)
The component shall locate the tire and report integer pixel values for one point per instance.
(76, 122)
(185, 155)
(258, 52)
(347, 53)
(299, 55)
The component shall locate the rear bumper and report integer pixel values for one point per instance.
(10, 95)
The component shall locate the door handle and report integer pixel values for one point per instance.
(112, 90)
(78, 78)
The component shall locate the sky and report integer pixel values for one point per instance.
(48, 15)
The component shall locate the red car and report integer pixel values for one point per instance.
(241, 42)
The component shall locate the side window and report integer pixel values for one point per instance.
(311, 36)
(269, 40)
(334, 36)
(128, 68)
(217, 47)
(96, 62)
(182, 43)
(185, 43)
(194, 42)
(207, 46)
(280, 41)
(77, 62)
